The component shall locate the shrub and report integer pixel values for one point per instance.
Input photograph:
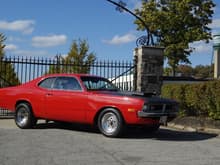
(202, 99)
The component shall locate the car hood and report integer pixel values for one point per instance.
(150, 98)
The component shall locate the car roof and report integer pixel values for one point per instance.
(38, 79)
(68, 74)
(65, 75)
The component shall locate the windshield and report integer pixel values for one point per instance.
(98, 83)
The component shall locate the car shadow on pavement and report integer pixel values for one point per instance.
(163, 134)
(67, 126)
(167, 134)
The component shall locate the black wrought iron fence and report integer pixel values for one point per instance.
(18, 70)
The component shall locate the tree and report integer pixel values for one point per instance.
(182, 70)
(176, 24)
(199, 71)
(185, 70)
(57, 65)
(7, 73)
(79, 55)
(78, 60)
(202, 71)
(167, 71)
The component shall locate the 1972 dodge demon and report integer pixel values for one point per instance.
(87, 99)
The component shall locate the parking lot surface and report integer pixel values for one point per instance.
(55, 144)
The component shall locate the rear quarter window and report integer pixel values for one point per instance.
(47, 83)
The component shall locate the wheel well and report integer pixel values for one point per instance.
(97, 114)
(22, 101)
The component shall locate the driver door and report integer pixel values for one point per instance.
(66, 101)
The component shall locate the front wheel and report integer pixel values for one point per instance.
(24, 117)
(110, 123)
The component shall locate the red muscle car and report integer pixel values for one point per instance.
(86, 99)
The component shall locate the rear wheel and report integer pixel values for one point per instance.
(110, 123)
(24, 117)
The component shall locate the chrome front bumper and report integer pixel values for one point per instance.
(151, 114)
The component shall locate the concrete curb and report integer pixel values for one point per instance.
(194, 129)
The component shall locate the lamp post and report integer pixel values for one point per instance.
(216, 47)
(148, 58)
(143, 40)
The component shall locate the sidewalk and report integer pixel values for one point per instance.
(7, 123)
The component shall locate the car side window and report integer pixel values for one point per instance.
(47, 83)
(66, 83)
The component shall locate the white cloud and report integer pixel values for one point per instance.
(117, 40)
(14, 39)
(49, 41)
(24, 26)
(136, 4)
(215, 23)
(202, 47)
(29, 53)
(11, 47)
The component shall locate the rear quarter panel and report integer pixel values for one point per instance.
(8, 97)
(27, 92)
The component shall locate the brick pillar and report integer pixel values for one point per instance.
(149, 69)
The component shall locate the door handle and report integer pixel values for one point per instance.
(49, 94)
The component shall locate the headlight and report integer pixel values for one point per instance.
(145, 108)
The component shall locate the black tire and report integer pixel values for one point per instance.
(110, 123)
(24, 117)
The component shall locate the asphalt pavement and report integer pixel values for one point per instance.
(51, 143)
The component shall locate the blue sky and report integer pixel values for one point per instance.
(44, 28)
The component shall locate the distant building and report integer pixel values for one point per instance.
(124, 82)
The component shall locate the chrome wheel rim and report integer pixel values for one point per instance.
(109, 123)
(22, 117)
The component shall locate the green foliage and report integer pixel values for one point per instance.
(167, 71)
(202, 99)
(199, 71)
(176, 92)
(176, 24)
(213, 95)
(185, 70)
(202, 71)
(58, 66)
(78, 60)
(7, 73)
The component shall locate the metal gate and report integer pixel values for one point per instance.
(18, 70)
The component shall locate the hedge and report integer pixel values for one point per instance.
(200, 99)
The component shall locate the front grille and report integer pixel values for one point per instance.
(170, 108)
(156, 107)
(162, 108)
